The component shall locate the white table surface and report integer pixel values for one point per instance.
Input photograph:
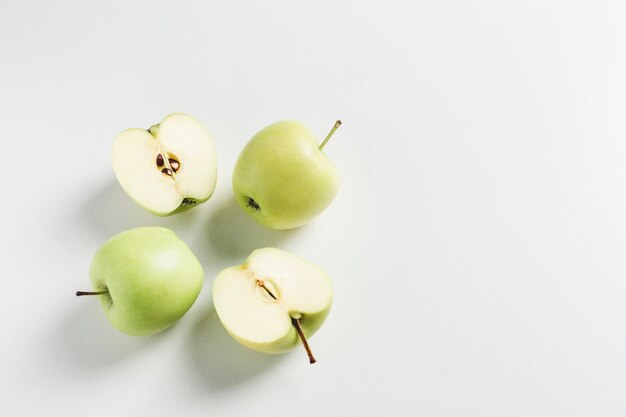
(476, 245)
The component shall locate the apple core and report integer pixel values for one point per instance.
(168, 165)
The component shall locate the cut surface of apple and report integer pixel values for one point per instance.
(262, 302)
(168, 168)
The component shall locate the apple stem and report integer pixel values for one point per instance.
(335, 127)
(296, 324)
(79, 293)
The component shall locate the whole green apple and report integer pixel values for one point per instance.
(273, 301)
(282, 178)
(146, 279)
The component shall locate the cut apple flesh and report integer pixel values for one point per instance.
(248, 311)
(257, 301)
(172, 165)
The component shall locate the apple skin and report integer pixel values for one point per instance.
(151, 276)
(286, 174)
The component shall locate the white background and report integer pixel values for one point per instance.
(476, 245)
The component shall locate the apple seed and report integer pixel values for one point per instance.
(171, 165)
(174, 164)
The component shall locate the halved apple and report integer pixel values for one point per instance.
(168, 168)
(273, 301)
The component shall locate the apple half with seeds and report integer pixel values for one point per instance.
(168, 168)
(273, 302)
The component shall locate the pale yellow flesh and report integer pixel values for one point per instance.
(134, 163)
(258, 321)
(246, 311)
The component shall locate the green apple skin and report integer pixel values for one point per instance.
(286, 174)
(151, 276)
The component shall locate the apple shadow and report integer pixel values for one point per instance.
(110, 211)
(86, 342)
(234, 235)
(218, 359)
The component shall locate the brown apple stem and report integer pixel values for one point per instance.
(296, 324)
(335, 127)
(79, 293)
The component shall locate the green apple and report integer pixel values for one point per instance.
(282, 178)
(273, 301)
(168, 168)
(146, 279)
